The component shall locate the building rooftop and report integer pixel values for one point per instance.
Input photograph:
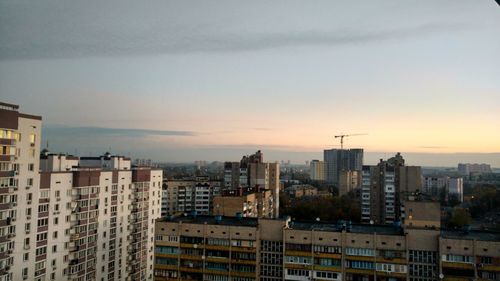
(481, 235)
(221, 220)
(354, 228)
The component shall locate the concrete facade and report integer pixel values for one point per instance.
(244, 249)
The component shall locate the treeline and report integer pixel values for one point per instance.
(486, 199)
(325, 208)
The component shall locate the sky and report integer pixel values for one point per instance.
(179, 81)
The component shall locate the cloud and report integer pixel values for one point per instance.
(59, 30)
(115, 132)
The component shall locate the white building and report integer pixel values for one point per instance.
(456, 187)
(89, 218)
(432, 185)
(19, 194)
(184, 196)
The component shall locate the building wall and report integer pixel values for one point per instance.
(309, 251)
(456, 187)
(19, 193)
(341, 159)
(318, 170)
(348, 181)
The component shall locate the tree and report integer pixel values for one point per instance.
(460, 217)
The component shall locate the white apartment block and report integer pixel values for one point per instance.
(89, 218)
(188, 195)
(456, 187)
(432, 185)
(20, 147)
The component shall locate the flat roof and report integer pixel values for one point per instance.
(481, 235)
(355, 228)
(202, 219)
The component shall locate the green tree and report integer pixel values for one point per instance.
(460, 217)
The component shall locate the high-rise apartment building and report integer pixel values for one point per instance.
(342, 159)
(248, 249)
(385, 187)
(19, 194)
(349, 181)
(252, 172)
(456, 188)
(253, 203)
(432, 185)
(71, 218)
(317, 170)
(188, 195)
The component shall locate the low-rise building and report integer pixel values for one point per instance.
(301, 190)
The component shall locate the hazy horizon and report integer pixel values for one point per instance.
(210, 80)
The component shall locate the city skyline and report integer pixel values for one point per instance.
(174, 83)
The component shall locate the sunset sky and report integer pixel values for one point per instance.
(188, 80)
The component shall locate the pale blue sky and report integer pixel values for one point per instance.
(237, 76)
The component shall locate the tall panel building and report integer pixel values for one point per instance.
(71, 218)
(19, 194)
(317, 170)
(252, 173)
(385, 187)
(341, 159)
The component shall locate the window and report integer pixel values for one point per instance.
(32, 139)
(41, 237)
(43, 222)
(31, 167)
(41, 251)
(44, 194)
(29, 182)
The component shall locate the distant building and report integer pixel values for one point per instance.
(468, 169)
(341, 159)
(456, 188)
(302, 190)
(432, 185)
(349, 181)
(252, 172)
(143, 162)
(317, 170)
(187, 195)
(385, 187)
(247, 203)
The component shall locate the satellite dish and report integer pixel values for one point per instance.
(441, 276)
(372, 222)
(318, 219)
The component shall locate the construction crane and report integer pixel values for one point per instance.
(343, 136)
